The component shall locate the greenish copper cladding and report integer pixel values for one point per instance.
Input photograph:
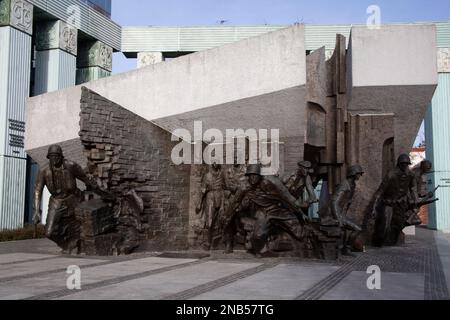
(443, 34)
(90, 21)
(5, 12)
(95, 54)
(17, 14)
(90, 74)
(56, 35)
(438, 152)
(47, 35)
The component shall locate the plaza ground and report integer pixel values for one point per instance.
(419, 270)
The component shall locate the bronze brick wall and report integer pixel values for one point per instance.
(128, 152)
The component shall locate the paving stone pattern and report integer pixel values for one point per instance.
(414, 271)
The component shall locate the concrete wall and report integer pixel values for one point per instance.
(368, 134)
(53, 118)
(394, 55)
(73, 151)
(394, 70)
(254, 67)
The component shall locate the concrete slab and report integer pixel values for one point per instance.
(284, 282)
(410, 59)
(29, 268)
(30, 287)
(395, 81)
(394, 286)
(158, 286)
(20, 257)
(273, 62)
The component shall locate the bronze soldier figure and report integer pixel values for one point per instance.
(299, 181)
(212, 203)
(237, 184)
(272, 209)
(340, 204)
(60, 178)
(398, 197)
(420, 172)
(424, 197)
(235, 178)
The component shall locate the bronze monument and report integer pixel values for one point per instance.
(397, 200)
(340, 204)
(60, 178)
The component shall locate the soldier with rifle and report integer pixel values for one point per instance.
(421, 171)
(270, 207)
(300, 181)
(340, 204)
(300, 185)
(397, 198)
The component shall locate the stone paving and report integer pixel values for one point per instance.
(419, 270)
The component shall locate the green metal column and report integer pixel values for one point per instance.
(16, 22)
(56, 59)
(56, 45)
(94, 61)
(438, 151)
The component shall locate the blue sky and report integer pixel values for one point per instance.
(272, 12)
(242, 12)
(260, 12)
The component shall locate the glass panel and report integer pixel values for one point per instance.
(102, 6)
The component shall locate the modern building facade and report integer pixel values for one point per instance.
(48, 45)
(45, 45)
(437, 139)
(102, 6)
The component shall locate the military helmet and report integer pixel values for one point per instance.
(305, 164)
(426, 164)
(54, 150)
(253, 169)
(354, 170)
(404, 158)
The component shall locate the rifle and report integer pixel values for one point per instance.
(431, 194)
(427, 202)
(414, 218)
(289, 202)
